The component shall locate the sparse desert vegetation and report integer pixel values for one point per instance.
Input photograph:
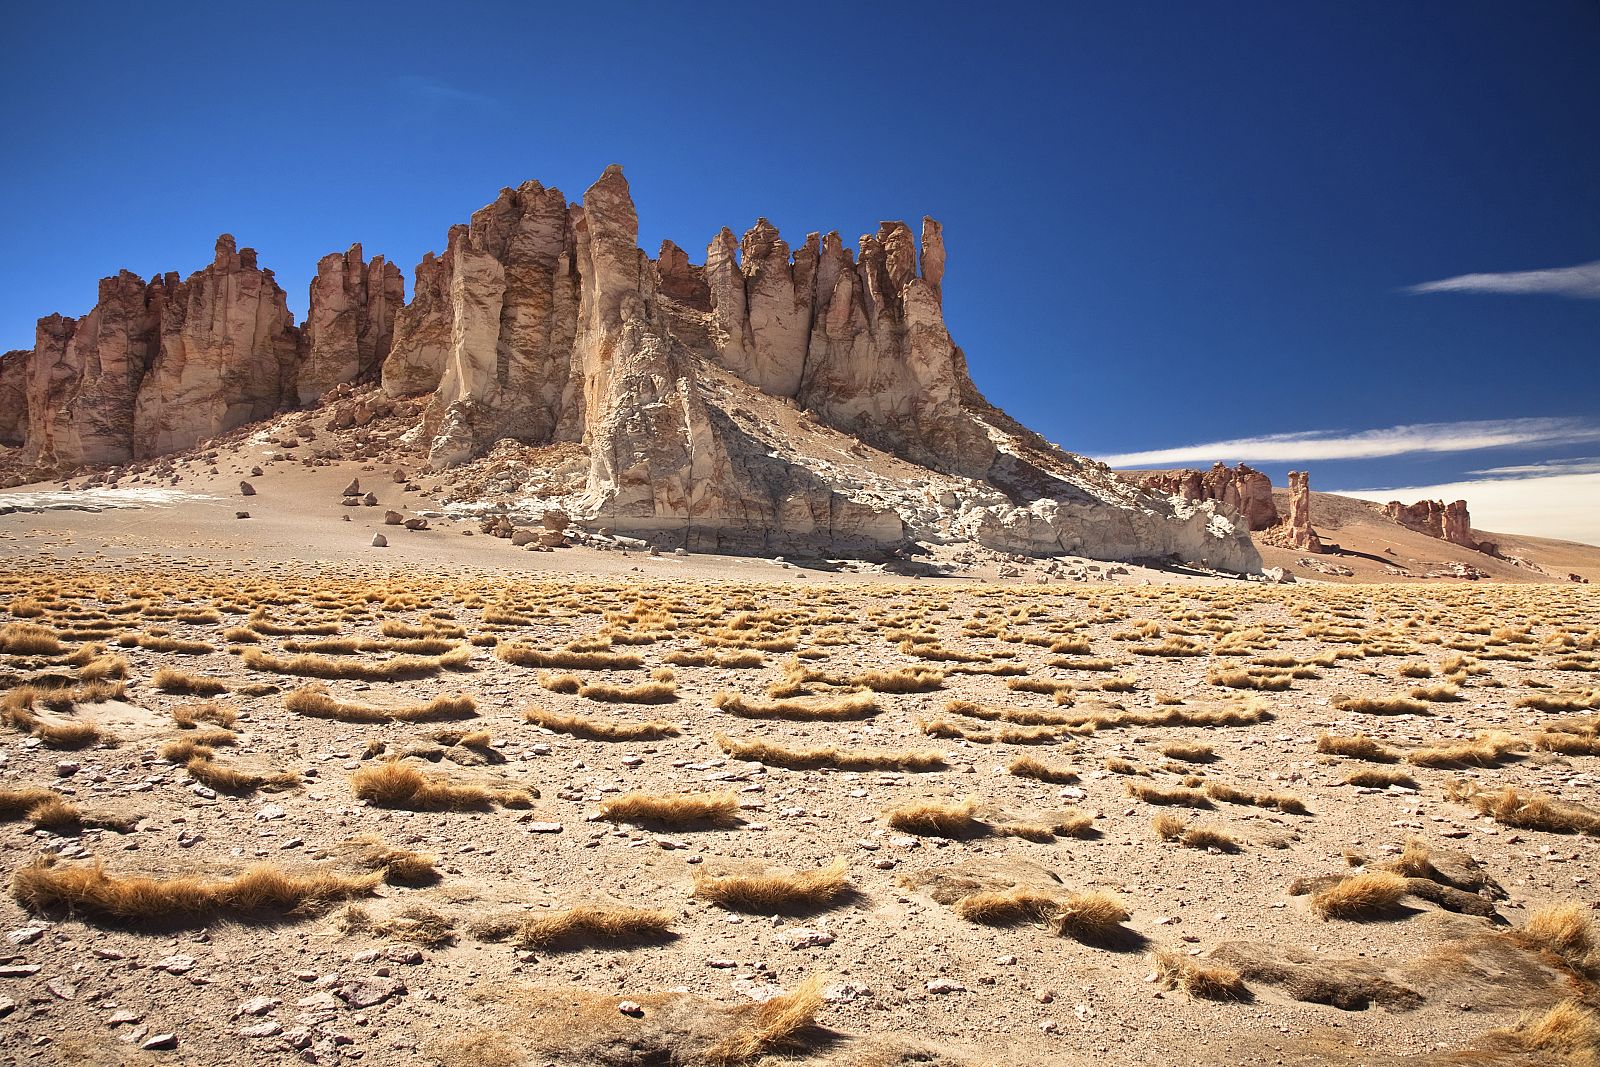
(1061, 767)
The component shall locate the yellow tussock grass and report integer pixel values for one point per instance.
(776, 891)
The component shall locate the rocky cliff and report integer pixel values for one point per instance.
(14, 396)
(770, 399)
(543, 322)
(350, 325)
(1449, 522)
(1246, 491)
(158, 366)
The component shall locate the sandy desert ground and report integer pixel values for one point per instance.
(273, 795)
(452, 802)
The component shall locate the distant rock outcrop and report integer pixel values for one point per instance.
(1299, 532)
(1247, 491)
(1449, 522)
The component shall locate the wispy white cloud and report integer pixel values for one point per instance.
(1581, 282)
(431, 96)
(1562, 506)
(1581, 465)
(1371, 444)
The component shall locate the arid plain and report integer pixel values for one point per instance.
(454, 802)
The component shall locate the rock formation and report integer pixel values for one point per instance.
(545, 323)
(1299, 532)
(14, 396)
(775, 398)
(350, 324)
(1248, 492)
(229, 353)
(156, 367)
(1449, 522)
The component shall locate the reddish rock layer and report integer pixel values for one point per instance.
(1248, 492)
(1449, 522)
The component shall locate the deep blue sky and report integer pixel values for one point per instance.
(1168, 223)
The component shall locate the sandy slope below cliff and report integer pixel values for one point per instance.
(186, 506)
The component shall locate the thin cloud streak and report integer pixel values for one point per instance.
(1581, 282)
(1561, 506)
(430, 96)
(1370, 444)
(1581, 465)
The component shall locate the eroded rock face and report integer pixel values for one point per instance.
(546, 323)
(85, 374)
(14, 396)
(158, 366)
(350, 325)
(1246, 491)
(229, 355)
(1449, 522)
(776, 398)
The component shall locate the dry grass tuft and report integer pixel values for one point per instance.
(172, 680)
(560, 683)
(1570, 1029)
(673, 809)
(1092, 917)
(1565, 931)
(1169, 827)
(225, 779)
(1368, 895)
(414, 923)
(195, 744)
(393, 784)
(778, 891)
(1285, 802)
(805, 759)
(399, 865)
(648, 693)
(1382, 705)
(761, 1028)
(933, 818)
(1206, 982)
(853, 706)
(1028, 767)
(1020, 716)
(1528, 811)
(528, 656)
(28, 639)
(1006, 907)
(723, 660)
(396, 669)
(1381, 778)
(315, 701)
(1262, 678)
(591, 922)
(190, 716)
(43, 887)
(1488, 750)
(1356, 746)
(1188, 752)
(595, 730)
(1153, 794)
(17, 710)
